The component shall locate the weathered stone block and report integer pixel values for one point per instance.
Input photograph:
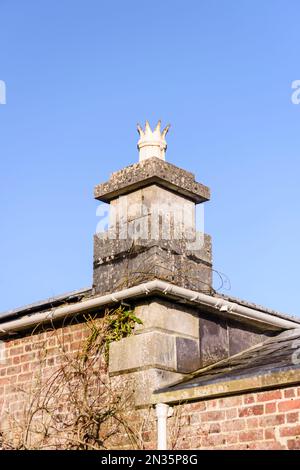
(187, 355)
(152, 213)
(162, 315)
(124, 263)
(213, 340)
(156, 350)
(147, 381)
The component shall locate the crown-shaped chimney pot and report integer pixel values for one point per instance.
(152, 143)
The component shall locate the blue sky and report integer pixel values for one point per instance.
(80, 74)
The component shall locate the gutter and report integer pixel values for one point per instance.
(152, 287)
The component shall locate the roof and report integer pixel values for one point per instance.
(258, 307)
(51, 302)
(277, 354)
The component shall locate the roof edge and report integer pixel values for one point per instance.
(230, 387)
(166, 290)
(39, 305)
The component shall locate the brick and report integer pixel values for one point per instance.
(24, 377)
(252, 423)
(248, 399)
(290, 431)
(212, 416)
(16, 351)
(214, 428)
(27, 357)
(271, 420)
(10, 388)
(232, 438)
(213, 440)
(14, 370)
(293, 444)
(197, 406)
(246, 436)
(231, 413)
(292, 417)
(265, 446)
(230, 402)
(25, 367)
(251, 411)
(54, 351)
(195, 418)
(38, 345)
(270, 407)
(235, 447)
(233, 425)
(35, 365)
(289, 393)
(269, 396)
(212, 404)
(75, 346)
(270, 433)
(78, 335)
(289, 405)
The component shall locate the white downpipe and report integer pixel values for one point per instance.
(151, 287)
(162, 412)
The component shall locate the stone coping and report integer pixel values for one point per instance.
(148, 172)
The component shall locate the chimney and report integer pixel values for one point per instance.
(152, 223)
(151, 235)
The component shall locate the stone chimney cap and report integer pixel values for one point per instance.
(152, 143)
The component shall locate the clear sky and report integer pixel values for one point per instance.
(80, 74)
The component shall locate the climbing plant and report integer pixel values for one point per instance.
(74, 404)
(120, 324)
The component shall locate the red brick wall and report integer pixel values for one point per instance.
(30, 363)
(23, 358)
(264, 420)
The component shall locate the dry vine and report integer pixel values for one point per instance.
(74, 404)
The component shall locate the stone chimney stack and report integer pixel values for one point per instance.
(152, 235)
(152, 224)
